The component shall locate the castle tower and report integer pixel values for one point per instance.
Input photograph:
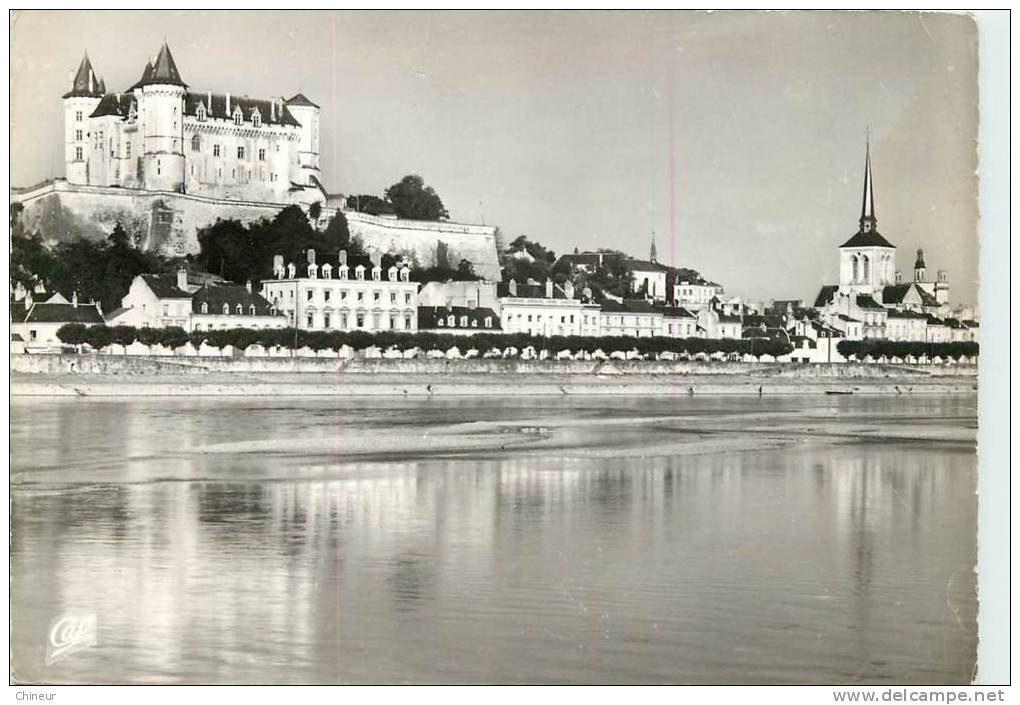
(867, 261)
(307, 113)
(86, 91)
(160, 95)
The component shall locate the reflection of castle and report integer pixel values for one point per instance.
(159, 136)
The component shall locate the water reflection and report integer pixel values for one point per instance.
(826, 559)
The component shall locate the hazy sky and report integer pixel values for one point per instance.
(738, 138)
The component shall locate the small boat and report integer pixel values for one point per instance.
(838, 391)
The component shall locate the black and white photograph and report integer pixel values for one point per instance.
(535, 347)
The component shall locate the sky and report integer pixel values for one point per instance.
(737, 138)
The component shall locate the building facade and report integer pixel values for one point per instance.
(342, 297)
(547, 309)
(160, 136)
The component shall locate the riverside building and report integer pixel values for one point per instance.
(346, 296)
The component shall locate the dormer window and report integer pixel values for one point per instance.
(200, 112)
(451, 320)
(463, 322)
(488, 321)
(226, 309)
(196, 144)
(238, 116)
(205, 307)
(440, 323)
(256, 117)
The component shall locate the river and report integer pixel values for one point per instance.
(492, 540)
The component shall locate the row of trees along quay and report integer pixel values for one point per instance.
(100, 337)
(903, 349)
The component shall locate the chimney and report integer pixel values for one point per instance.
(568, 289)
(228, 105)
(586, 292)
(548, 288)
(343, 257)
(291, 271)
(208, 105)
(182, 279)
(272, 109)
(74, 299)
(28, 299)
(311, 256)
(247, 285)
(472, 303)
(512, 286)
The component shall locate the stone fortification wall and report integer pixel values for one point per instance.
(430, 241)
(168, 222)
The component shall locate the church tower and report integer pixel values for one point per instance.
(653, 255)
(87, 90)
(919, 268)
(160, 95)
(867, 261)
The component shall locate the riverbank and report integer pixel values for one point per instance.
(107, 376)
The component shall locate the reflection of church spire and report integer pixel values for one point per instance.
(653, 255)
(868, 220)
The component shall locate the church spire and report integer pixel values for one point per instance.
(653, 254)
(868, 220)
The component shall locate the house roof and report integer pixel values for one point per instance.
(429, 315)
(643, 265)
(628, 306)
(867, 239)
(64, 313)
(300, 99)
(865, 301)
(530, 291)
(217, 109)
(18, 311)
(895, 293)
(164, 286)
(893, 313)
(215, 295)
(844, 317)
(825, 295)
(118, 104)
(675, 312)
(725, 318)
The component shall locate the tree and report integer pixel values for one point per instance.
(315, 210)
(413, 200)
(373, 205)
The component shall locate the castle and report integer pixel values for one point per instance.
(166, 161)
(160, 136)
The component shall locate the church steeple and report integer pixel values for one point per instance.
(653, 254)
(868, 220)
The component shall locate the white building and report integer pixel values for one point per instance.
(338, 296)
(695, 295)
(632, 317)
(458, 320)
(165, 300)
(678, 322)
(648, 278)
(718, 324)
(36, 322)
(547, 310)
(160, 136)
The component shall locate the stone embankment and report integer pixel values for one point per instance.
(130, 375)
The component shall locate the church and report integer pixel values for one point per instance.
(871, 297)
(158, 135)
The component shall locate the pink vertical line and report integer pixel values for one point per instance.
(336, 177)
(336, 131)
(672, 166)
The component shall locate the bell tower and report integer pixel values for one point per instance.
(87, 90)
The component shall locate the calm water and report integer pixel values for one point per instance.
(554, 540)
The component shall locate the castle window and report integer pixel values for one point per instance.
(256, 118)
(238, 116)
(196, 144)
(240, 152)
(226, 309)
(216, 150)
(200, 113)
(127, 148)
(77, 154)
(78, 135)
(77, 116)
(262, 155)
